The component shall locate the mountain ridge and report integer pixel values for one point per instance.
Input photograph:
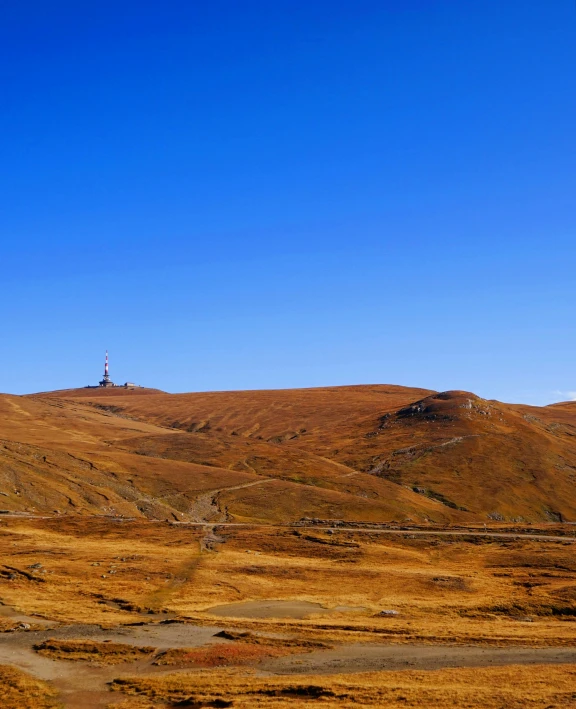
(360, 453)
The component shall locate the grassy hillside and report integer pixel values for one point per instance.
(377, 453)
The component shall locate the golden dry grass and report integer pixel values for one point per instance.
(86, 455)
(465, 456)
(107, 653)
(375, 453)
(92, 459)
(20, 691)
(515, 687)
(474, 589)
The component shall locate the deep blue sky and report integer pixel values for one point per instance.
(265, 194)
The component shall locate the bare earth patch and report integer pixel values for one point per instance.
(297, 644)
(221, 655)
(246, 648)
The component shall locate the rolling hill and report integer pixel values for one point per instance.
(359, 453)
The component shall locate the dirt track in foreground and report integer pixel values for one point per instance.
(83, 684)
(370, 658)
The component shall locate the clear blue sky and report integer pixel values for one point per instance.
(248, 194)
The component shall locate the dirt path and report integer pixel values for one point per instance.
(205, 507)
(448, 533)
(83, 685)
(370, 658)
(320, 528)
(402, 532)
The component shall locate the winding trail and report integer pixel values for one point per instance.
(205, 507)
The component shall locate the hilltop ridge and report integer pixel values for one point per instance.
(367, 452)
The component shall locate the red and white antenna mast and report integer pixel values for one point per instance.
(106, 379)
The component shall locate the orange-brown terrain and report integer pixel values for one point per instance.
(370, 453)
(345, 546)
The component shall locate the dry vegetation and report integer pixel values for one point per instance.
(246, 649)
(221, 655)
(20, 691)
(107, 653)
(376, 453)
(103, 480)
(477, 590)
(461, 589)
(486, 688)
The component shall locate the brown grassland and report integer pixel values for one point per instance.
(371, 453)
(513, 686)
(20, 691)
(238, 549)
(478, 591)
(89, 650)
